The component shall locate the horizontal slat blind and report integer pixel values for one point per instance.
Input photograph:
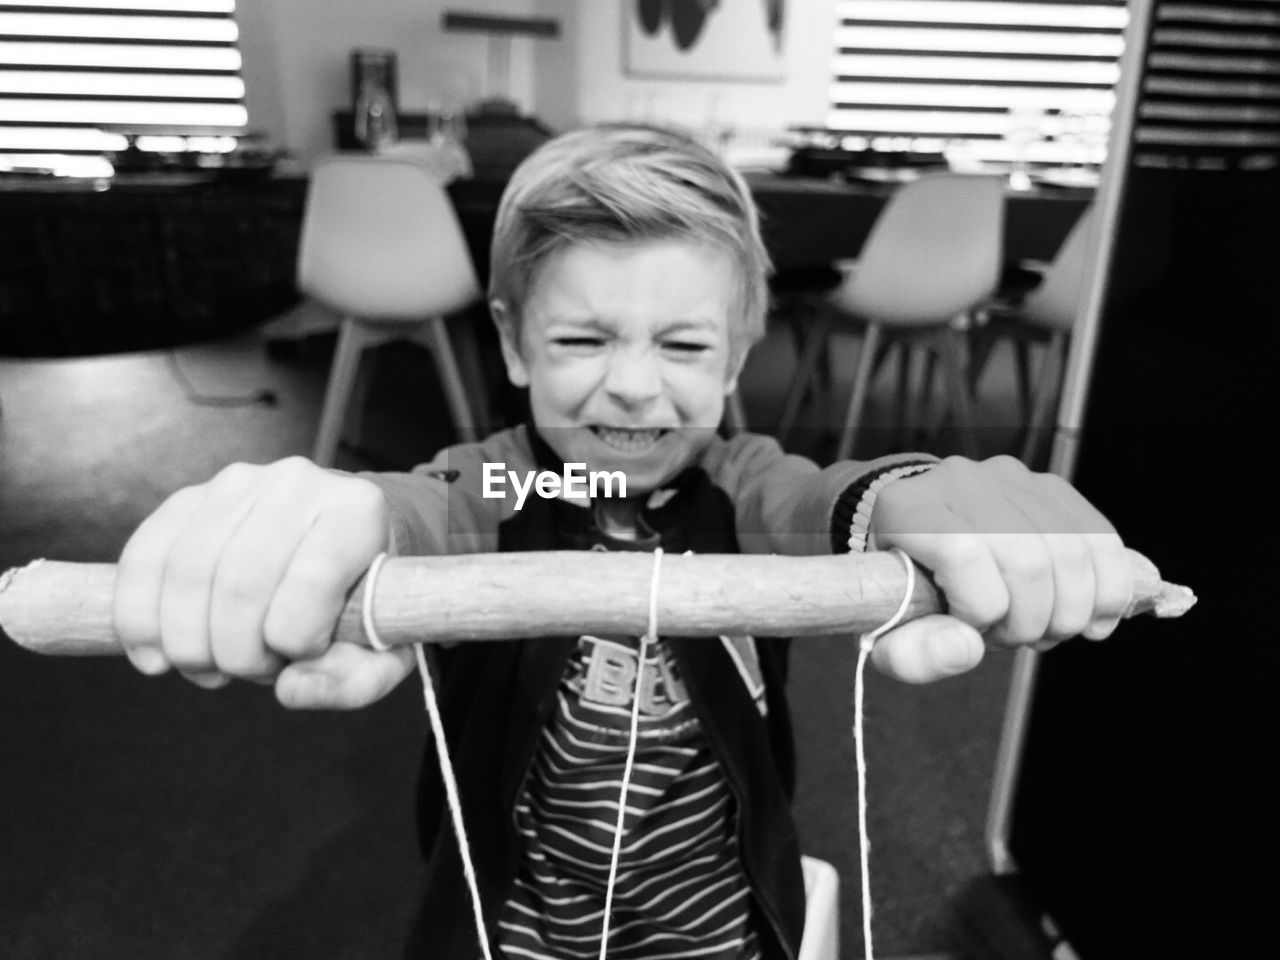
(1001, 79)
(78, 76)
(1210, 97)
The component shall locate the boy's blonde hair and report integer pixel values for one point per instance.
(626, 182)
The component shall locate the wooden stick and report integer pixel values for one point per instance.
(65, 608)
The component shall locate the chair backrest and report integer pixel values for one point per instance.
(933, 253)
(381, 241)
(1055, 303)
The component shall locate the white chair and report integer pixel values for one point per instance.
(821, 940)
(1047, 315)
(381, 247)
(933, 255)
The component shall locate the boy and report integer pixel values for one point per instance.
(628, 284)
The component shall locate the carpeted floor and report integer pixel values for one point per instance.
(148, 818)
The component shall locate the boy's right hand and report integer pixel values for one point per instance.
(245, 576)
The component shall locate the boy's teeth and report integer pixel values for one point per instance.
(628, 439)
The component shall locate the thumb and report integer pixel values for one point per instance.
(928, 649)
(344, 677)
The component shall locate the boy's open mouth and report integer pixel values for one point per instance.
(628, 440)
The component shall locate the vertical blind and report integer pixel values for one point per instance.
(78, 77)
(1003, 80)
(1210, 94)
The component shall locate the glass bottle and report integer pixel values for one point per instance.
(375, 119)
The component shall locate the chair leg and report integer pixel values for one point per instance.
(815, 343)
(358, 399)
(905, 356)
(735, 415)
(953, 345)
(982, 343)
(861, 385)
(467, 349)
(1048, 378)
(887, 341)
(1022, 362)
(925, 401)
(455, 390)
(353, 340)
(799, 316)
(805, 316)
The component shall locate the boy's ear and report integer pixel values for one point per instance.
(509, 338)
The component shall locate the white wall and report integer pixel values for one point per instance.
(297, 60)
(604, 92)
(296, 67)
(258, 47)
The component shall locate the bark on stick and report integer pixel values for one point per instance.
(66, 608)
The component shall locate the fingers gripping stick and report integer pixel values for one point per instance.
(66, 608)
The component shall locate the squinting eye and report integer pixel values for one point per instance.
(580, 342)
(686, 346)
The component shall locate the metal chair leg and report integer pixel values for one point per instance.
(861, 386)
(906, 367)
(1048, 379)
(953, 345)
(814, 345)
(353, 339)
(455, 390)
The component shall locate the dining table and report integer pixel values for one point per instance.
(808, 221)
(143, 261)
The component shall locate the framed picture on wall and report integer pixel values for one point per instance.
(704, 39)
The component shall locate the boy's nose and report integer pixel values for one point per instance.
(633, 378)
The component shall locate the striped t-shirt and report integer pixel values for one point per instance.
(680, 889)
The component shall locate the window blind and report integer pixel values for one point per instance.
(1002, 80)
(78, 78)
(1210, 95)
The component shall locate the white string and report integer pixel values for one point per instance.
(455, 804)
(651, 636)
(442, 753)
(366, 607)
(865, 645)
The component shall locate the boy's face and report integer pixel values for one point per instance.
(625, 350)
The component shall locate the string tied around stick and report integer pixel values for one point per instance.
(442, 751)
(446, 763)
(650, 637)
(366, 604)
(866, 643)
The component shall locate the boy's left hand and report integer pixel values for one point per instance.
(1022, 558)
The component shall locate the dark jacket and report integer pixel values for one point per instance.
(744, 494)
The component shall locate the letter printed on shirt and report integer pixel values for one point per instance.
(610, 673)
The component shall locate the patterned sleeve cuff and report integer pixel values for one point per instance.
(851, 522)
